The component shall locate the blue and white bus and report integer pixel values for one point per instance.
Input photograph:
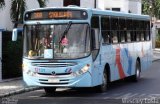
(82, 47)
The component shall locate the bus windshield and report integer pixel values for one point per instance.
(57, 41)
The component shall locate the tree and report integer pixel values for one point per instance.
(151, 7)
(18, 7)
(2, 3)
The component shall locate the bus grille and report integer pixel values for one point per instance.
(62, 82)
(54, 74)
(51, 64)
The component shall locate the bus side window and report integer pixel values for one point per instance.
(147, 30)
(105, 29)
(122, 30)
(95, 32)
(129, 29)
(142, 30)
(115, 29)
(137, 30)
(95, 22)
(95, 36)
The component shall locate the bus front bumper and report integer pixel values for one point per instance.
(83, 80)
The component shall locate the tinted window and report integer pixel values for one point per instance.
(105, 24)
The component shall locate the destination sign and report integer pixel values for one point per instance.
(56, 14)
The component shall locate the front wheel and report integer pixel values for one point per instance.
(103, 87)
(49, 90)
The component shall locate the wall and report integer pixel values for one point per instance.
(55, 3)
(135, 6)
(113, 3)
(5, 21)
(87, 3)
(1, 54)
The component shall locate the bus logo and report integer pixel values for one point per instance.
(53, 73)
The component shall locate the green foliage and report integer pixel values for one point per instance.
(2, 3)
(18, 7)
(11, 56)
(42, 3)
(146, 7)
(158, 35)
(157, 44)
(151, 7)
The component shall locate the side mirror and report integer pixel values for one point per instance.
(14, 34)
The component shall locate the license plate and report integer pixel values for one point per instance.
(53, 80)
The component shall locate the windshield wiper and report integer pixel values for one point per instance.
(66, 30)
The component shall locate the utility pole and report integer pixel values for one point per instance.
(152, 16)
(95, 3)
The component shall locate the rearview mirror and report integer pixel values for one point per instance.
(14, 34)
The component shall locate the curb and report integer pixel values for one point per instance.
(155, 60)
(19, 91)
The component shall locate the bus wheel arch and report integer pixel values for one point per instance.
(137, 74)
(105, 79)
(107, 70)
(138, 60)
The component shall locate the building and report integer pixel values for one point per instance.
(127, 6)
(133, 6)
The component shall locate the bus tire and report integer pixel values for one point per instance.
(49, 90)
(137, 75)
(103, 87)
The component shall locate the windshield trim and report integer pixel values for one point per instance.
(89, 33)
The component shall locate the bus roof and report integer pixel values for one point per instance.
(120, 14)
(99, 12)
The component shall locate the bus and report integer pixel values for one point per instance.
(78, 47)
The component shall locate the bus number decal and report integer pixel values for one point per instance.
(38, 15)
(40, 70)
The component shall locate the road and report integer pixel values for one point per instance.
(146, 91)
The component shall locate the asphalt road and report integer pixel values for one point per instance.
(146, 91)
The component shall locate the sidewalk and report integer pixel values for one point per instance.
(156, 54)
(15, 86)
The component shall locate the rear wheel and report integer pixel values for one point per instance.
(137, 75)
(49, 90)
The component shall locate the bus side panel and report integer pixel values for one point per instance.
(150, 53)
(108, 57)
(144, 52)
(124, 61)
(127, 59)
(146, 59)
(131, 59)
(97, 71)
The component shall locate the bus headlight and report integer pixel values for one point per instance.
(82, 71)
(27, 70)
(24, 67)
